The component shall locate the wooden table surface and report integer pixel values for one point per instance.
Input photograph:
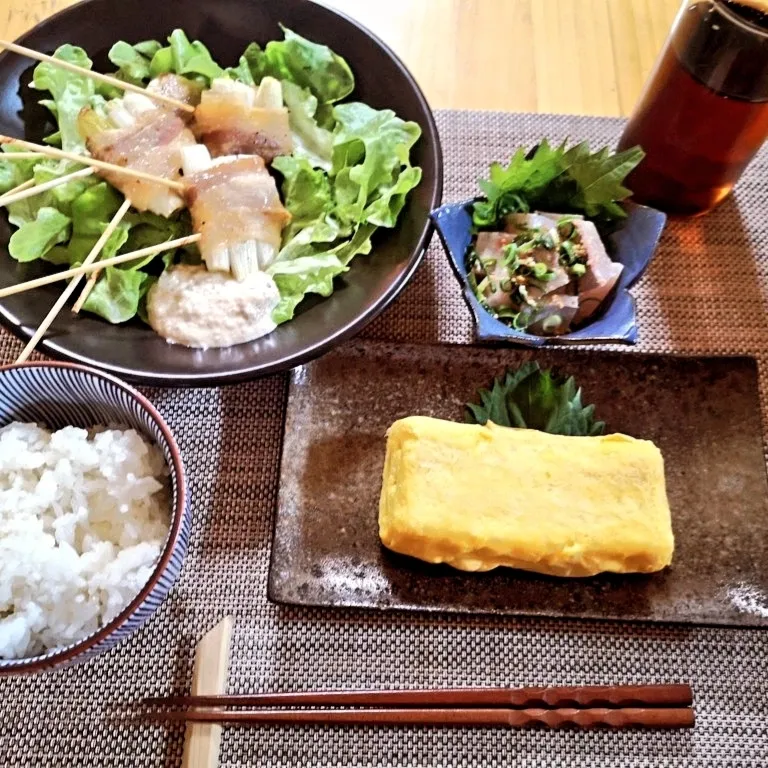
(576, 56)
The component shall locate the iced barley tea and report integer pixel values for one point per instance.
(704, 112)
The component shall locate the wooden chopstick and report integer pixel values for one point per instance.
(32, 54)
(589, 696)
(88, 160)
(86, 269)
(631, 717)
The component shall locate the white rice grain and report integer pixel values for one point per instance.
(83, 519)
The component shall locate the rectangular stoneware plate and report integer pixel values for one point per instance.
(703, 413)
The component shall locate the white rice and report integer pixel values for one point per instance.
(83, 518)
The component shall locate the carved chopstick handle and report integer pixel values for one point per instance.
(635, 717)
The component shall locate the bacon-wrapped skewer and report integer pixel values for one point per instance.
(236, 209)
(139, 135)
(237, 119)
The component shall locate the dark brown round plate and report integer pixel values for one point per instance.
(133, 350)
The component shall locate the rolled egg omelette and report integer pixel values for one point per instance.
(479, 497)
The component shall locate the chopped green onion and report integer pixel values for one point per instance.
(529, 245)
(568, 252)
(540, 270)
(510, 255)
(551, 323)
(488, 264)
(506, 286)
(523, 291)
(578, 269)
(522, 321)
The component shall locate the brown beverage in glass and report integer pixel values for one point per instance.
(704, 112)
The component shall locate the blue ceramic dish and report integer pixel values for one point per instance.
(632, 245)
(58, 395)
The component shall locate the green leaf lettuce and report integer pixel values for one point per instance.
(71, 92)
(309, 65)
(335, 214)
(349, 173)
(35, 238)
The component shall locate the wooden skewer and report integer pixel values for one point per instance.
(635, 717)
(587, 696)
(21, 194)
(20, 156)
(88, 160)
(86, 269)
(209, 676)
(32, 54)
(94, 276)
(19, 188)
(67, 292)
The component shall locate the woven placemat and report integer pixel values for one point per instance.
(706, 292)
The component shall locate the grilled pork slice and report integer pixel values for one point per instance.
(138, 135)
(176, 87)
(233, 118)
(237, 211)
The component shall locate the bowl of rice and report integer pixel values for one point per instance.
(94, 515)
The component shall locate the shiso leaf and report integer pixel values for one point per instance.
(530, 398)
(573, 180)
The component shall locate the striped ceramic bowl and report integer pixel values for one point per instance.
(57, 395)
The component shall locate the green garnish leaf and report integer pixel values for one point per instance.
(310, 65)
(132, 64)
(571, 180)
(530, 398)
(298, 277)
(117, 294)
(192, 58)
(148, 59)
(599, 178)
(71, 93)
(241, 72)
(35, 238)
(310, 140)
